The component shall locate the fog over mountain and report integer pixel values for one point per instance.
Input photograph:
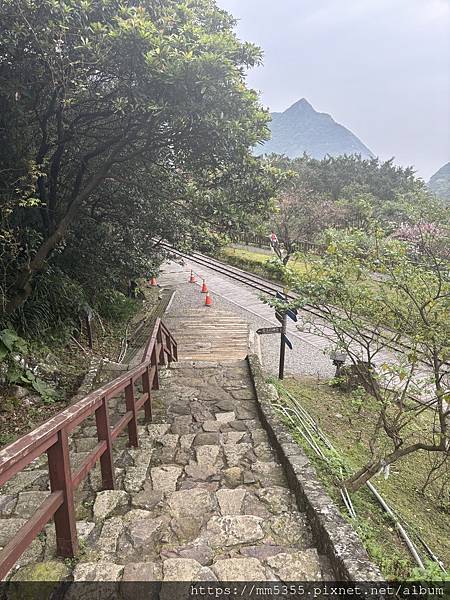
(379, 67)
(301, 129)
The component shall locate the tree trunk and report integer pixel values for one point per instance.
(358, 479)
(22, 287)
(361, 477)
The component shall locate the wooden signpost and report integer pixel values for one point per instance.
(282, 317)
(266, 330)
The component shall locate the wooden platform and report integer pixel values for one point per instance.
(208, 335)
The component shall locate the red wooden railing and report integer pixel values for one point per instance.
(52, 437)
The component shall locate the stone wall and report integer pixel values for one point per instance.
(334, 537)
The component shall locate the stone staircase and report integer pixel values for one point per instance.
(202, 499)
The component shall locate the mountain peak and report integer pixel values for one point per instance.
(301, 104)
(301, 129)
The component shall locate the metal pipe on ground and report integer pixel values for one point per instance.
(344, 493)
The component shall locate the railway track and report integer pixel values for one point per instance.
(271, 289)
(254, 281)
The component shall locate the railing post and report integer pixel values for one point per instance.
(170, 349)
(146, 390)
(61, 480)
(154, 362)
(161, 355)
(104, 433)
(131, 406)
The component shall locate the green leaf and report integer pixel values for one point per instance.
(46, 392)
(9, 338)
(14, 375)
(4, 350)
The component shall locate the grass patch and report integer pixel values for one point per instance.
(257, 262)
(427, 514)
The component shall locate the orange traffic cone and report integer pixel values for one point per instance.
(204, 288)
(153, 282)
(208, 299)
(192, 278)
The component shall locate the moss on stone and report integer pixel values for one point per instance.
(38, 580)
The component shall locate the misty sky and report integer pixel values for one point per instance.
(379, 67)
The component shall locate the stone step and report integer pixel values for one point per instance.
(194, 312)
(280, 566)
(209, 316)
(202, 332)
(191, 355)
(285, 567)
(189, 328)
(204, 495)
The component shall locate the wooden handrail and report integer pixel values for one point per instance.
(52, 438)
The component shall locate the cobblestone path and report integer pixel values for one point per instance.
(203, 498)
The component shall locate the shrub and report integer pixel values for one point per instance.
(115, 306)
(54, 306)
(15, 368)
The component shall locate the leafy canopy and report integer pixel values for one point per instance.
(119, 122)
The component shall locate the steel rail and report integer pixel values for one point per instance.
(271, 288)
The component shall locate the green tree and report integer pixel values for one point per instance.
(300, 215)
(348, 191)
(94, 90)
(366, 317)
(118, 240)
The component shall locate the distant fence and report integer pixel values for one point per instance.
(52, 438)
(253, 239)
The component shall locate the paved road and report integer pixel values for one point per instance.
(307, 357)
(310, 352)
